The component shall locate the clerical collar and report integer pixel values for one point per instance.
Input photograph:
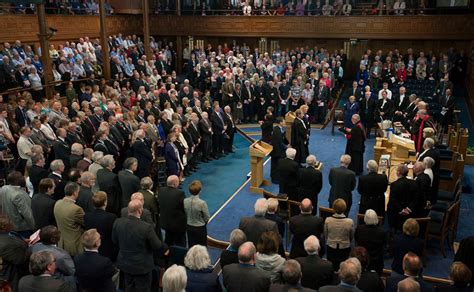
(91, 250)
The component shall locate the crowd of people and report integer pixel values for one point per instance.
(89, 169)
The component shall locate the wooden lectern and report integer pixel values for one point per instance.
(289, 120)
(258, 151)
(402, 147)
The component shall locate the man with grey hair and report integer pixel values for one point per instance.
(408, 285)
(129, 182)
(342, 181)
(150, 202)
(349, 274)
(255, 226)
(77, 150)
(355, 146)
(244, 276)
(42, 267)
(85, 162)
(287, 175)
(85, 194)
(425, 193)
(310, 181)
(108, 182)
(230, 256)
(317, 272)
(291, 274)
(403, 198)
(230, 130)
(372, 188)
(142, 152)
(172, 215)
(430, 150)
(96, 165)
(57, 169)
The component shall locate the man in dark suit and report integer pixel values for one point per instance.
(173, 217)
(447, 103)
(102, 221)
(93, 271)
(300, 137)
(412, 266)
(244, 276)
(303, 225)
(42, 267)
(317, 272)
(136, 241)
(57, 170)
(129, 182)
(355, 146)
(37, 171)
(367, 111)
(353, 91)
(310, 182)
(108, 183)
(349, 274)
(279, 143)
(20, 113)
(218, 129)
(291, 275)
(85, 192)
(342, 181)
(402, 202)
(384, 108)
(400, 105)
(143, 154)
(424, 194)
(42, 204)
(230, 130)
(321, 99)
(205, 129)
(255, 226)
(429, 150)
(62, 150)
(372, 188)
(288, 173)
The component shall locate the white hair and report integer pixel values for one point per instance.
(372, 166)
(237, 237)
(350, 270)
(345, 160)
(428, 162)
(56, 164)
(429, 143)
(291, 153)
(107, 160)
(311, 160)
(261, 206)
(77, 148)
(197, 258)
(371, 218)
(311, 245)
(174, 279)
(97, 156)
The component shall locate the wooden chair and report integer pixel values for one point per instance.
(338, 119)
(360, 219)
(325, 212)
(442, 224)
(424, 224)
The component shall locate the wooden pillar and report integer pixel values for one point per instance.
(146, 27)
(103, 41)
(179, 53)
(178, 7)
(44, 44)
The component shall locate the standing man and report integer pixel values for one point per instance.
(300, 137)
(367, 111)
(279, 143)
(218, 129)
(372, 188)
(136, 241)
(310, 182)
(321, 98)
(70, 219)
(355, 146)
(173, 216)
(129, 182)
(342, 181)
(108, 183)
(230, 130)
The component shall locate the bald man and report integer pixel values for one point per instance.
(244, 276)
(302, 226)
(172, 215)
(136, 241)
(412, 266)
(145, 216)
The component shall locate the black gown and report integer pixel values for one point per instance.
(299, 140)
(355, 147)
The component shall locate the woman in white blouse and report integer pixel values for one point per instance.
(46, 128)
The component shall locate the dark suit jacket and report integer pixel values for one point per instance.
(403, 193)
(288, 174)
(172, 215)
(310, 183)
(108, 182)
(279, 221)
(172, 161)
(239, 277)
(74, 159)
(36, 174)
(85, 199)
(144, 156)
(62, 151)
(102, 221)
(32, 283)
(278, 143)
(387, 109)
(253, 227)
(287, 287)
(367, 111)
(129, 183)
(372, 237)
(317, 272)
(392, 282)
(370, 282)
(60, 183)
(94, 272)
(322, 95)
(301, 227)
(397, 106)
(228, 257)
(42, 207)
(372, 189)
(136, 241)
(342, 181)
(402, 244)
(338, 288)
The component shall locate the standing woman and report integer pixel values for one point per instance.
(197, 215)
(338, 233)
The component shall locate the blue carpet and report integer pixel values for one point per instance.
(328, 149)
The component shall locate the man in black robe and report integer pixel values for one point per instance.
(355, 146)
(300, 137)
(279, 146)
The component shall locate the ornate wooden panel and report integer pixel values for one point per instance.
(360, 27)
